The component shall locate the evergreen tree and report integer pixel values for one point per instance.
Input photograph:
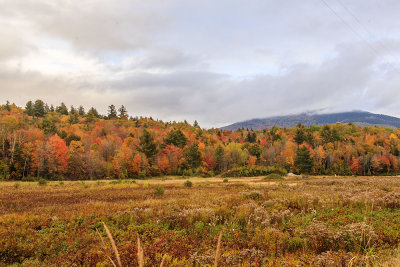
(251, 137)
(38, 108)
(219, 157)
(123, 113)
(81, 111)
(8, 106)
(196, 124)
(299, 136)
(176, 138)
(72, 110)
(73, 118)
(29, 108)
(112, 112)
(62, 109)
(147, 145)
(93, 112)
(303, 160)
(192, 156)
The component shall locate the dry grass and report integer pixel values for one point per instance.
(303, 221)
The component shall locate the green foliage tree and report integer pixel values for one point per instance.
(49, 124)
(148, 146)
(8, 108)
(299, 136)
(192, 156)
(73, 118)
(62, 109)
(112, 112)
(303, 160)
(38, 109)
(251, 137)
(176, 138)
(81, 111)
(29, 108)
(123, 113)
(255, 150)
(73, 110)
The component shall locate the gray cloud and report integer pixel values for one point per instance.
(217, 62)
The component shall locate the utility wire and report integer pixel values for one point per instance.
(371, 34)
(350, 27)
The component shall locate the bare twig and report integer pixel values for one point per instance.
(114, 247)
(105, 248)
(163, 260)
(140, 253)
(217, 252)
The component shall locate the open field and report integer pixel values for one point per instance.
(317, 221)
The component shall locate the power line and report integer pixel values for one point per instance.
(350, 27)
(370, 33)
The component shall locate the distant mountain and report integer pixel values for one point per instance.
(360, 118)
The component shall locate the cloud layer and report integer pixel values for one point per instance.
(215, 61)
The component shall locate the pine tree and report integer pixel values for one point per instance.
(148, 147)
(29, 108)
(123, 113)
(112, 112)
(62, 109)
(303, 160)
(192, 156)
(81, 111)
(176, 138)
(38, 108)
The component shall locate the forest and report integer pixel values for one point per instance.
(57, 143)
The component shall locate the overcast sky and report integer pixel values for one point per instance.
(215, 61)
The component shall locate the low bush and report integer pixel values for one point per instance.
(273, 176)
(188, 184)
(159, 190)
(42, 181)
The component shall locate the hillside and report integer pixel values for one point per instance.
(360, 118)
(43, 141)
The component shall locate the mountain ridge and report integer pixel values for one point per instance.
(360, 118)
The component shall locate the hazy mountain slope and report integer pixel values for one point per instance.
(360, 118)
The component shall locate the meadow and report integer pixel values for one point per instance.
(296, 221)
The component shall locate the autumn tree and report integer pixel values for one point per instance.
(76, 165)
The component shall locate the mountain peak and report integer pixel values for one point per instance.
(358, 117)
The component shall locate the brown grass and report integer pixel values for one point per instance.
(114, 247)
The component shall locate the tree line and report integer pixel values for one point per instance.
(41, 140)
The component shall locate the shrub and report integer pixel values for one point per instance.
(159, 190)
(188, 184)
(273, 176)
(253, 195)
(17, 185)
(42, 181)
(225, 180)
